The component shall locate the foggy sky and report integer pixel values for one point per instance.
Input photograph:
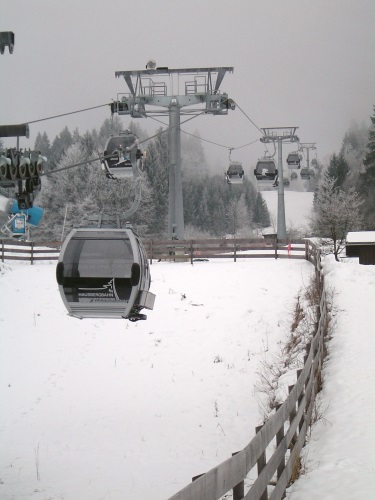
(303, 63)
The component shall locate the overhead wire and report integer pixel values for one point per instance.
(70, 113)
(148, 138)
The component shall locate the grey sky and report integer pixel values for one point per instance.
(304, 63)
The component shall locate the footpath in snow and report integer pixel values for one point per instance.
(339, 459)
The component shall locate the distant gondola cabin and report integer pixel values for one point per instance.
(305, 173)
(235, 173)
(265, 169)
(293, 160)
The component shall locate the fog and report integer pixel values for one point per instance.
(308, 64)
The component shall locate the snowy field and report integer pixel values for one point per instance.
(340, 456)
(108, 409)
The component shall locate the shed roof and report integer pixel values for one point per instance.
(361, 237)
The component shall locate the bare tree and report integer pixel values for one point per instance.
(336, 212)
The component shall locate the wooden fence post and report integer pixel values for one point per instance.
(261, 463)
(279, 437)
(292, 415)
(32, 253)
(300, 398)
(275, 246)
(2, 250)
(239, 489)
(235, 250)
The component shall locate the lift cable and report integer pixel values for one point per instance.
(70, 113)
(242, 111)
(206, 140)
(142, 141)
(104, 157)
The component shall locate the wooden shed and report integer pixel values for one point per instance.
(361, 244)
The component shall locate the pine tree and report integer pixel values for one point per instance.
(261, 214)
(42, 144)
(59, 147)
(156, 172)
(367, 179)
(338, 169)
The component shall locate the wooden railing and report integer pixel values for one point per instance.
(29, 250)
(171, 250)
(286, 429)
(190, 250)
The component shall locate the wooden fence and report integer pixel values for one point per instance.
(171, 250)
(190, 250)
(286, 429)
(29, 251)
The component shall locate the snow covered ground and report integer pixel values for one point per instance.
(97, 409)
(340, 456)
(110, 409)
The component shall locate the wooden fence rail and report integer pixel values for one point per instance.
(29, 251)
(171, 250)
(286, 429)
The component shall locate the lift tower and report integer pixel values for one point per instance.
(198, 87)
(280, 134)
(307, 146)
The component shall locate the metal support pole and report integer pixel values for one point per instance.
(308, 158)
(176, 228)
(281, 226)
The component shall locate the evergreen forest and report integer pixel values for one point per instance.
(212, 208)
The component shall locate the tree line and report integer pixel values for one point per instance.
(344, 196)
(344, 189)
(212, 208)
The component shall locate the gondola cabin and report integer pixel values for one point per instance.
(122, 157)
(235, 173)
(305, 173)
(6, 40)
(104, 273)
(294, 160)
(265, 169)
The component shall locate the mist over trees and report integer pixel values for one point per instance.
(71, 196)
(344, 197)
(367, 178)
